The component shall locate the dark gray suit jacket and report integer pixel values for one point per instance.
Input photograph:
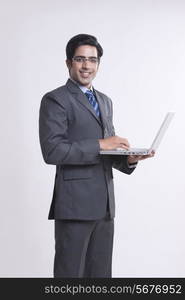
(69, 131)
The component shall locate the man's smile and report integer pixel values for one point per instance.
(85, 74)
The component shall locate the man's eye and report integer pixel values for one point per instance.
(93, 59)
(79, 59)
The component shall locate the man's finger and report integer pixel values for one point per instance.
(147, 156)
(124, 146)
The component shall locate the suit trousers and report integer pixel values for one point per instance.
(83, 249)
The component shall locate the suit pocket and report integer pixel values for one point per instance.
(77, 172)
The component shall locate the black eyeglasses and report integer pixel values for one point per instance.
(82, 59)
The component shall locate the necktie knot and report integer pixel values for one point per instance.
(90, 95)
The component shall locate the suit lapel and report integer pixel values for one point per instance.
(81, 97)
(102, 109)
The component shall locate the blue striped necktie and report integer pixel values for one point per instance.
(92, 99)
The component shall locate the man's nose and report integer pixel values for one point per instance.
(85, 64)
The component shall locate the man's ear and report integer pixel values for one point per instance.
(68, 63)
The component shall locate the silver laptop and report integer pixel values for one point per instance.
(143, 151)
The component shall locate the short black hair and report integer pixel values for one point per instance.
(79, 40)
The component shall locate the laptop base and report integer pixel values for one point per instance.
(132, 151)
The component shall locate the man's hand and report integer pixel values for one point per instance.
(114, 142)
(135, 158)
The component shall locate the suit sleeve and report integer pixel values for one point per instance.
(53, 134)
(120, 162)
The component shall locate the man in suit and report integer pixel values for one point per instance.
(75, 123)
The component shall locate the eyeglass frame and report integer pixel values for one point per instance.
(84, 59)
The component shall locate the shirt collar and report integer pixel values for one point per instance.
(84, 89)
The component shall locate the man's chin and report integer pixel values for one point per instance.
(85, 82)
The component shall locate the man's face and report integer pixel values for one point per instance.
(84, 71)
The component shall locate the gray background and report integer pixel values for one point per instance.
(143, 71)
